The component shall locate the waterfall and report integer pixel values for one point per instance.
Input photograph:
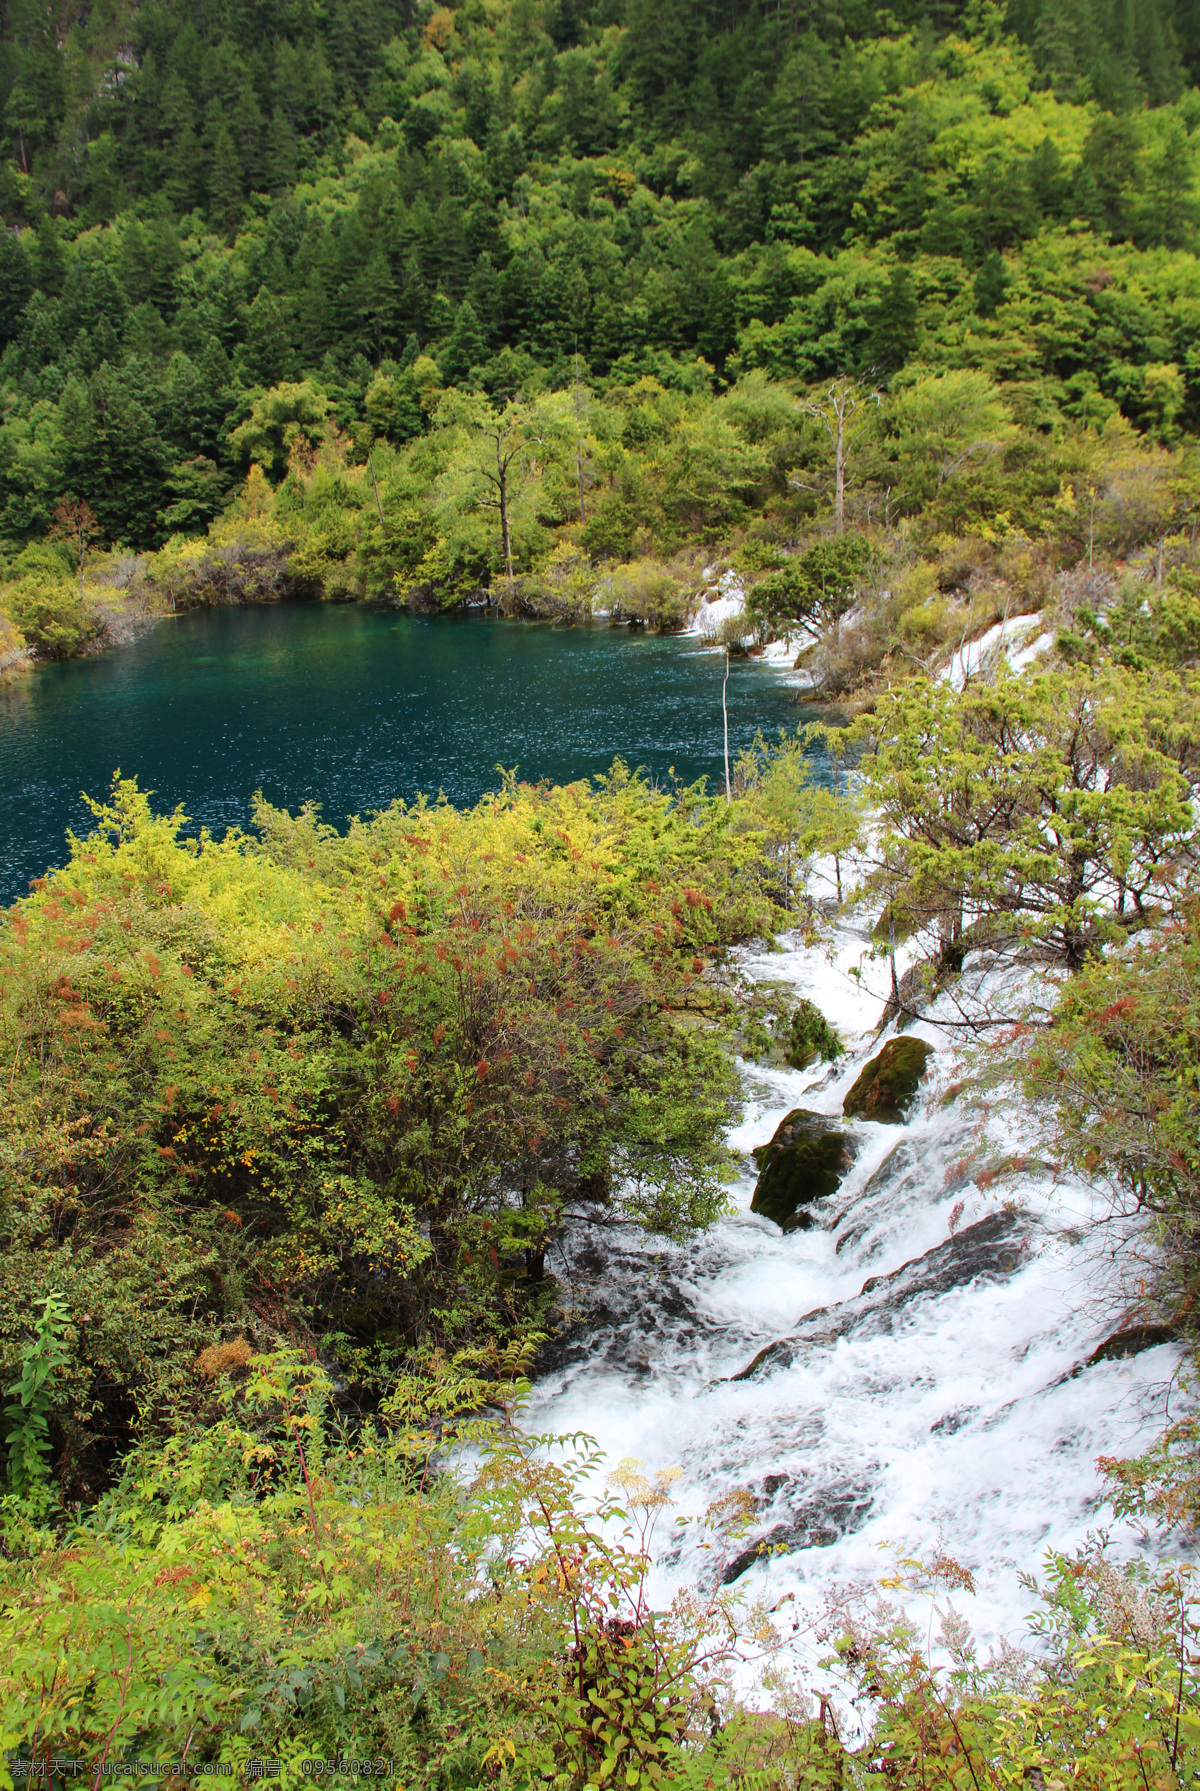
(875, 1383)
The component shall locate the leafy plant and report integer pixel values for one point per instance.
(808, 1037)
(31, 1401)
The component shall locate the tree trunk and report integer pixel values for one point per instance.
(839, 499)
(502, 485)
(378, 500)
(951, 951)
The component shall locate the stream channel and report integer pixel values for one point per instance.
(927, 1389)
(911, 1376)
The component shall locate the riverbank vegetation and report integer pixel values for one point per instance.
(290, 1125)
(273, 1585)
(353, 1083)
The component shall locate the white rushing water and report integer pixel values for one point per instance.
(950, 1408)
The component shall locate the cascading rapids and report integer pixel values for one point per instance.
(951, 1405)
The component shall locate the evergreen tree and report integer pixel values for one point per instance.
(893, 323)
(134, 263)
(16, 284)
(1104, 189)
(796, 125)
(184, 171)
(466, 347)
(991, 283)
(266, 355)
(375, 302)
(49, 257)
(225, 185)
(103, 180)
(1170, 183)
(114, 458)
(719, 323)
(414, 306)
(165, 258)
(281, 153)
(91, 292)
(1047, 178)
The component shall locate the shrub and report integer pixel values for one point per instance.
(260, 1067)
(645, 592)
(439, 1592)
(809, 1038)
(817, 587)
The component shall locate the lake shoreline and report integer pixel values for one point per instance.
(351, 706)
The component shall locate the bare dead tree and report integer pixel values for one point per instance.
(842, 412)
(75, 524)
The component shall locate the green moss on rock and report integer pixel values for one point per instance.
(805, 1160)
(887, 1086)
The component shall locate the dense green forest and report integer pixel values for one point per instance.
(369, 253)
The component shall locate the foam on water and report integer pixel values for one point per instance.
(952, 1407)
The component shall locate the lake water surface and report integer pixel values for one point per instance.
(352, 708)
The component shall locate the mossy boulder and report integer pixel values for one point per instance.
(805, 1160)
(810, 1038)
(887, 1086)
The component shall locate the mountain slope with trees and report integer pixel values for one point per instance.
(272, 236)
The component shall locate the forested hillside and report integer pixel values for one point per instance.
(332, 242)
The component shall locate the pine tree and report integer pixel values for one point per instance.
(267, 353)
(225, 185)
(375, 301)
(1107, 176)
(281, 153)
(1047, 181)
(183, 177)
(135, 263)
(1170, 181)
(16, 283)
(165, 258)
(991, 283)
(49, 258)
(893, 323)
(414, 296)
(466, 347)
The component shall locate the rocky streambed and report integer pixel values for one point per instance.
(879, 1351)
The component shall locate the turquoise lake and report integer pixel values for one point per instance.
(352, 708)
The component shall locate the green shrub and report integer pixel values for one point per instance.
(647, 592)
(269, 1063)
(809, 1038)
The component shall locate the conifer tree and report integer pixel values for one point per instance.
(183, 177)
(281, 153)
(267, 353)
(225, 185)
(466, 347)
(49, 257)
